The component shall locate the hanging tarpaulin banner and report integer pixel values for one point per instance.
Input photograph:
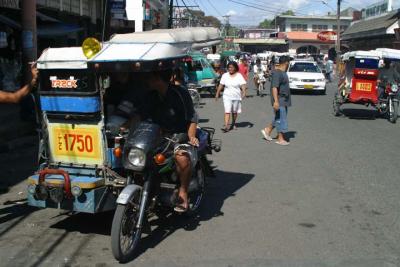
(10, 4)
(147, 10)
(117, 9)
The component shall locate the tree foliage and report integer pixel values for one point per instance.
(267, 23)
(199, 17)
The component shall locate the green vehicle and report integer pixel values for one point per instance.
(201, 74)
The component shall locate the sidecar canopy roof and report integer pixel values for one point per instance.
(361, 54)
(62, 58)
(156, 44)
(389, 53)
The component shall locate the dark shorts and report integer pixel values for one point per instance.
(280, 121)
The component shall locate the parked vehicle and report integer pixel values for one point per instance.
(88, 160)
(305, 75)
(359, 72)
(202, 74)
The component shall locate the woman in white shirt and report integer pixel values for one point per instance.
(234, 86)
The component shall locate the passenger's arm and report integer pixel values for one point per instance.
(15, 97)
(220, 87)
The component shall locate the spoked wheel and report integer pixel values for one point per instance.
(125, 236)
(196, 197)
(393, 111)
(336, 106)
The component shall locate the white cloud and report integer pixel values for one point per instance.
(231, 13)
(294, 4)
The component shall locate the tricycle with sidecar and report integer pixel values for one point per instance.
(89, 161)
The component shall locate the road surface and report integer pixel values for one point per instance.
(331, 198)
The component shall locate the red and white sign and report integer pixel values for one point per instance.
(327, 36)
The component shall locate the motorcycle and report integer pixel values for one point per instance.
(153, 182)
(389, 101)
(261, 82)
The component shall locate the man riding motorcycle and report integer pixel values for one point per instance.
(259, 73)
(170, 106)
(387, 74)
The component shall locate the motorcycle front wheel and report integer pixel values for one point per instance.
(394, 111)
(125, 236)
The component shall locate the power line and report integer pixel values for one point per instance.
(216, 10)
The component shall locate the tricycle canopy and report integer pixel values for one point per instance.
(62, 58)
(388, 53)
(156, 44)
(361, 54)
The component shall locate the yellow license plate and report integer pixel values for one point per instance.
(308, 86)
(365, 87)
(76, 143)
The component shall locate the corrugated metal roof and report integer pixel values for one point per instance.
(371, 27)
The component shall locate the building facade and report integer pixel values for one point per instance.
(302, 32)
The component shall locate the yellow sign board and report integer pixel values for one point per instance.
(76, 143)
(365, 87)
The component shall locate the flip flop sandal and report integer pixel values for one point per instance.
(266, 136)
(180, 209)
(225, 130)
(282, 143)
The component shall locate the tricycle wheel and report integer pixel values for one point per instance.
(125, 236)
(394, 111)
(336, 106)
(196, 197)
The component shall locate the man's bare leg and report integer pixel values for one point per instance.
(234, 118)
(184, 171)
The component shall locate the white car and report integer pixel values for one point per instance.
(306, 76)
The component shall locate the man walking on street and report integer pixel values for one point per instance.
(280, 100)
(328, 69)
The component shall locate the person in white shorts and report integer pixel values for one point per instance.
(234, 86)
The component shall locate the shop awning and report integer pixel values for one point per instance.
(57, 29)
(372, 27)
(267, 41)
(10, 22)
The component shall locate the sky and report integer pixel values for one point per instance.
(243, 15)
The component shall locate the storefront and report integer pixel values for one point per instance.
(372, 33)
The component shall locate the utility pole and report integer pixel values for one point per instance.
(29, 36)
(171, 13)
(227, 24)
(338, 30)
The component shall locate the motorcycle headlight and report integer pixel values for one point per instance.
(137, 157)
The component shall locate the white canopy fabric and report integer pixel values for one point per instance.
(362, 54)
(197, 37)
(139, 52)
(389, 53)
(156, 44)
(62, 58)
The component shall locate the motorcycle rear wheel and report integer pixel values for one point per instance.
(125, 236)
(195, 198)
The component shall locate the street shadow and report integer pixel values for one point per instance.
(309, 93)
(15, 213)
(244, 124)
(203, 120)
(290, 135)
(219, 189)
(206, 95)
(86, 223)
(360, 114)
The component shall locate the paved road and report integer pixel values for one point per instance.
(329, 199)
